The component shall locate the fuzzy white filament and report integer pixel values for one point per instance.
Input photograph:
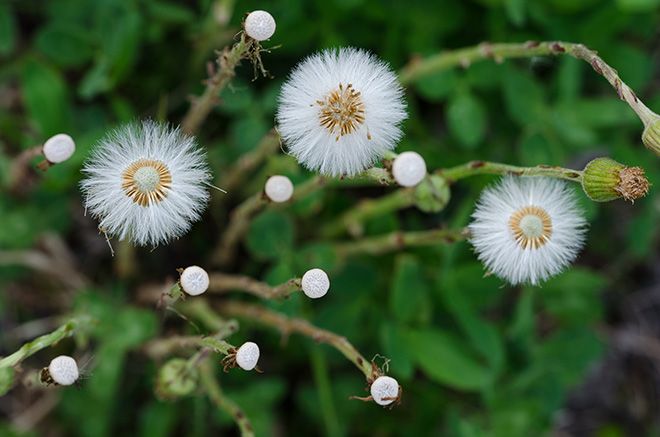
(259, 25)
(63, 370)
(59, 148)
(384, 390)
(315, 283)
(279, 188)
(340, 111)
(146, 183)
(408, 169)
(194, 280)
(247, 355)
(526, 230)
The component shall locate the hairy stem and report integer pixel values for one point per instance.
(299, 326)
(227, 62)
(222, 283)
(399, 240)
(248, 162)
(212, 388)
(66, 330)
(421, 68)
(484, 167)
(163, 347)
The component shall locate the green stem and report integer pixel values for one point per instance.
(324, 387)
(399, 240)
(67, 330)
(484, 167)
(419, 69)
(245, 166)
(212, 388)
(222, 283)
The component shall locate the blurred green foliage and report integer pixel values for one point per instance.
(474, 357)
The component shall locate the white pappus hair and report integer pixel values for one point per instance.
(146, 182)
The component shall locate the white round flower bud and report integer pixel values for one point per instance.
(259, 25)
(63, 370)
(59, 148)
(384, 390)
(247, 355)
(279, 188)
(408, 169)
(315, 283)
(194, 280)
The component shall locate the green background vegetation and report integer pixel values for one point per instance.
(475, 357)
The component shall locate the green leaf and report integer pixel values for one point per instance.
(638, 5)
(64, 44)
(523, 97)
(45, 94)
(515, 10)
(437, 86)
(270, 235)
(466, 117)
(7, 29)
(395, 348)
(409, 300)
(444, 360)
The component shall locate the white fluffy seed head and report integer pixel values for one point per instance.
(247, 355)
(63, 370)
(194, 280)
(259, 25)
(526, 230)
(384, 390)
(315, 283)
(146, 182)
(408, 169)
(59, 148)
(340, 111)
(279, 188)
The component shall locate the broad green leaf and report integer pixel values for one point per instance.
(395, 348)
(523, 97)
(270, 235)
(46, 97)
(437, 86)
(409, 292)
(66, 45)
(466, 117)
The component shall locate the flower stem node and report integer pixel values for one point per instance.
(194, 280)
(315, 283)
(408, 169)
(604, 180)
(432, 194)
(259, 25)
(279, 188)
(59, 148)
(176, 379)
(62, 370)
(385, 390)
(651, 135)
(247, 356)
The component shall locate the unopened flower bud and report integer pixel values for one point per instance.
(194, 280)
(279, 188)
(651, 135)
(247, 356)
(408, 169)
(59, 148)
(259, 25)
(176, 379)
(604, 179)
(385, 390)
(315, 283)
(432, 194)
(63, 370)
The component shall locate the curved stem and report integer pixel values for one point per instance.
(288, 326)
(243, 168)
(222, 283)
(421, 68)
(485, 167)
(399, 240)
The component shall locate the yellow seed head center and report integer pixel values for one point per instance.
(341, 111)
(531, 227)
(146, 181)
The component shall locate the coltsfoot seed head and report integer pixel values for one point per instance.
(247, 355)
(279, 188)
(409, 169)
(194, 280)
(63, 370)
(385, 390)
(59, 148)
(315, 283)
(259, 25)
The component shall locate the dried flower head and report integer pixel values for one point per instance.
(315, 283)
(259, 25)
(63, 370)
(279, 188)
(247, 355)
(146, 182)
(604, 179)
(194, 280)
(340, 111)
(527, 229)
(409, 169)
(385, 390)
(59, 148)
